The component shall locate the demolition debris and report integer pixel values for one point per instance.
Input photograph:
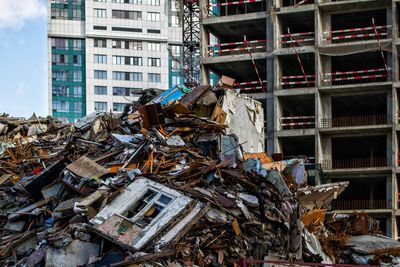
(179, 179)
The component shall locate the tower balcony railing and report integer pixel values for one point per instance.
(297, 2)
(374, 32)
(356, 76)
(297, 122)
(374, 162)
(362, 204)
(297, 81)
(358, 120)
(235, 48)
(251, 86)
(222, 8)
(297, 39)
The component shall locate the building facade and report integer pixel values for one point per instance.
(103, 53)
(327, 73)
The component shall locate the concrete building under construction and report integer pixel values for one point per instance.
(327, 72)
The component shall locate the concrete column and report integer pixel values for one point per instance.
(270, 100)
(395, 191)
(394, 227)
(325, 152)
(204, 40)
(389, 226)
(389, 148)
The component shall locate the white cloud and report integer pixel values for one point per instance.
(14, 13)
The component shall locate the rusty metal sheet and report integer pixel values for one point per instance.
(196, 93)
(152, 115)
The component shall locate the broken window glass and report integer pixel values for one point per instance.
(148, 207)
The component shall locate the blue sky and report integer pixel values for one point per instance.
(23, 57)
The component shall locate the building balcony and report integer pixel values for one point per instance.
(373, 32)
(237, 48)
(338, 78)
(224, 8)
(289, 40)
(359, 163)
(350, 121)
(297, 81)
(297, 122)
(296, 3)
(359, 204)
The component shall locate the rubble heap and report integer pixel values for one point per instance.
(179, 179)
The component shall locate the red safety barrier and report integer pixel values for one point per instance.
(297, 81)
(346, 77)
(218, 52)
(246, 86)
(303, 38)
(238, 43)
(235, 3)
(232, 47)
(357, 34)
(225, 8)
(297, 121)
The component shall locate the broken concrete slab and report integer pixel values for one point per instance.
(77, 253)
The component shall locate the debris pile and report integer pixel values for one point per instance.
(178, 179)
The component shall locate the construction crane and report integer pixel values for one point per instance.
(190, 18)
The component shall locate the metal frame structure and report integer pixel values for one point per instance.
(191, 41)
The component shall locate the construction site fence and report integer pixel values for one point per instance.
(227, 8)
(358, 120)
(297, 39)
(355, 163)
(297, 122)
(356, 76)
(297, 81)
(359, 204)
(372, 32)
(277, 263)
(234, 48)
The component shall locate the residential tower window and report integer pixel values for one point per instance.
(127, 76)
(77, 76)
(77, 91)
(121, 91)
(137, 2)
(100, 74)
(124, 14)
(60, 90)
(154, 77)
(100, 13)
(153, 16)
(118, 107)
(153, 2)
(60, 106)
(100, 42)
(151, 46)
(77, 60)
(59, 43)
(100, 106)
(100, 90)
(77, 107)
(100, 59)
(154, 62)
